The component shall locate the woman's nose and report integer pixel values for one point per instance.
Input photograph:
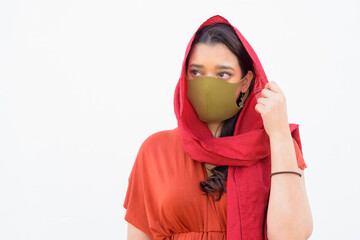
(210, 75)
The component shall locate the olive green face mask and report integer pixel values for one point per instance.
(213, 99)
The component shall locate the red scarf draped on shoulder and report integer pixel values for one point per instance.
(247, 153)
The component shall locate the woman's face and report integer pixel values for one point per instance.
(216, 61)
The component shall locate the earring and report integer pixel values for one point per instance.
(243, 98)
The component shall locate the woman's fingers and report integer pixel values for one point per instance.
(267, 93)
(273, 87)
(264, 101)
(259, 108)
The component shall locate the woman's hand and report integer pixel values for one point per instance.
(272, 107)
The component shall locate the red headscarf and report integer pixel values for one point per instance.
(246, 153)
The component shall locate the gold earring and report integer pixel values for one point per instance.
(243, 98)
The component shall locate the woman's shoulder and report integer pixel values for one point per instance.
(161, 139)
(158, 148)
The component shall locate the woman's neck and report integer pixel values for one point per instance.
(215, 128)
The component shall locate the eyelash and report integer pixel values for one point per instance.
(194, 72)
(227, 73)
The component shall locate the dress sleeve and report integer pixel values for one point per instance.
(137, 207)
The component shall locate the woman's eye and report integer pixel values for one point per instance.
(195, 73)
(225, 75)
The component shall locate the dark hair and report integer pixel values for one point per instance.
(225, 34)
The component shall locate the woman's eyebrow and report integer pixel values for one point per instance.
(197, 65)
(224, 67)
(217, 66)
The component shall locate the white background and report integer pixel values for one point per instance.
(84, 83)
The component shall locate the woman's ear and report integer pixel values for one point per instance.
(244, 86)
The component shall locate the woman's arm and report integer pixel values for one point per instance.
(133, 233)
(289, 215)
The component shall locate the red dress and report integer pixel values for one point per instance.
(164, 199)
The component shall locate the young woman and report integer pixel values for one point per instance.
(233, 167)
